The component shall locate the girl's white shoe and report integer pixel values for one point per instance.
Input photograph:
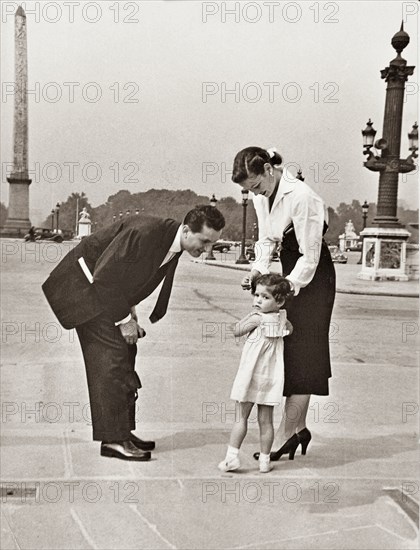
(265, 467)
(229, 465)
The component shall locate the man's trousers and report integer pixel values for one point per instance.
(112, 380)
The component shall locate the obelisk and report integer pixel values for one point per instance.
(17, 223)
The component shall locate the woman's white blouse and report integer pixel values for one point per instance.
(295, 202)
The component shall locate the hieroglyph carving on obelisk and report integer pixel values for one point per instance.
(18, 215)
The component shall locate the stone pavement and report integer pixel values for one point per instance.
(357, 487)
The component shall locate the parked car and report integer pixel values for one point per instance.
(337, 256)
(250, 253)
(45, 234)
(221, 246)
(357, 248)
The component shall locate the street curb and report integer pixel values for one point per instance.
(339, 290)
(377, 293)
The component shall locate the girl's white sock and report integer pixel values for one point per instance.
(265, 464)
(264, 458)
(231, 452)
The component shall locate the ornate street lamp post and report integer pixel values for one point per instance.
(210, 255)
(365, 210)
(242, 258)
(57, 209)
(52, 219)
(384, 244)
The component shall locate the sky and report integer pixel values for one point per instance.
(163, 94)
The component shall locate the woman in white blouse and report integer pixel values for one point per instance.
(290, 213)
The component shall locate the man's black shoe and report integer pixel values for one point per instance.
(125, 450)
(143, 445)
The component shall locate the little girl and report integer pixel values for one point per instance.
(260, 374)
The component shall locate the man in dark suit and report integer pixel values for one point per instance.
(95, 289)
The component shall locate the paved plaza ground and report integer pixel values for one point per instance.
(357, 487)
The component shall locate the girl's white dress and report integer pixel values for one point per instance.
(260, 375)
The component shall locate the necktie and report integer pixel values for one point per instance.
(165, 292)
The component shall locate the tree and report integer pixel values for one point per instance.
(334, 226)
(69, 209)
(175, 204)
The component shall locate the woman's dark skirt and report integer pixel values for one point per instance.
(307, 350)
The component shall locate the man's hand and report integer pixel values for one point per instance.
(129, 331)
(133, 313)
(140, 331)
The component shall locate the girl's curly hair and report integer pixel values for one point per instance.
(279, 286)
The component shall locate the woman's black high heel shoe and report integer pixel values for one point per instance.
(289, 447)
(304, 439)
(301, 438)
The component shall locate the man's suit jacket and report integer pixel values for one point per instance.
(124, 259)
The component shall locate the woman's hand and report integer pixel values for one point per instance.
(246, 283)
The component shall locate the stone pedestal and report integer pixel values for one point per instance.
(412, 263)
(384, 254)
(17, 223)
(84, 228)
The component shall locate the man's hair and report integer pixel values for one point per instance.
(279, 286)
(204, 214)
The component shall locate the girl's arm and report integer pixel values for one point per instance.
(247, 324)
(288, 328)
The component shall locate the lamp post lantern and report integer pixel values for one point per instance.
(384, 244)
(413, 140)
(368, 134)
(365, 210)
(210, 255)
(242, 258)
